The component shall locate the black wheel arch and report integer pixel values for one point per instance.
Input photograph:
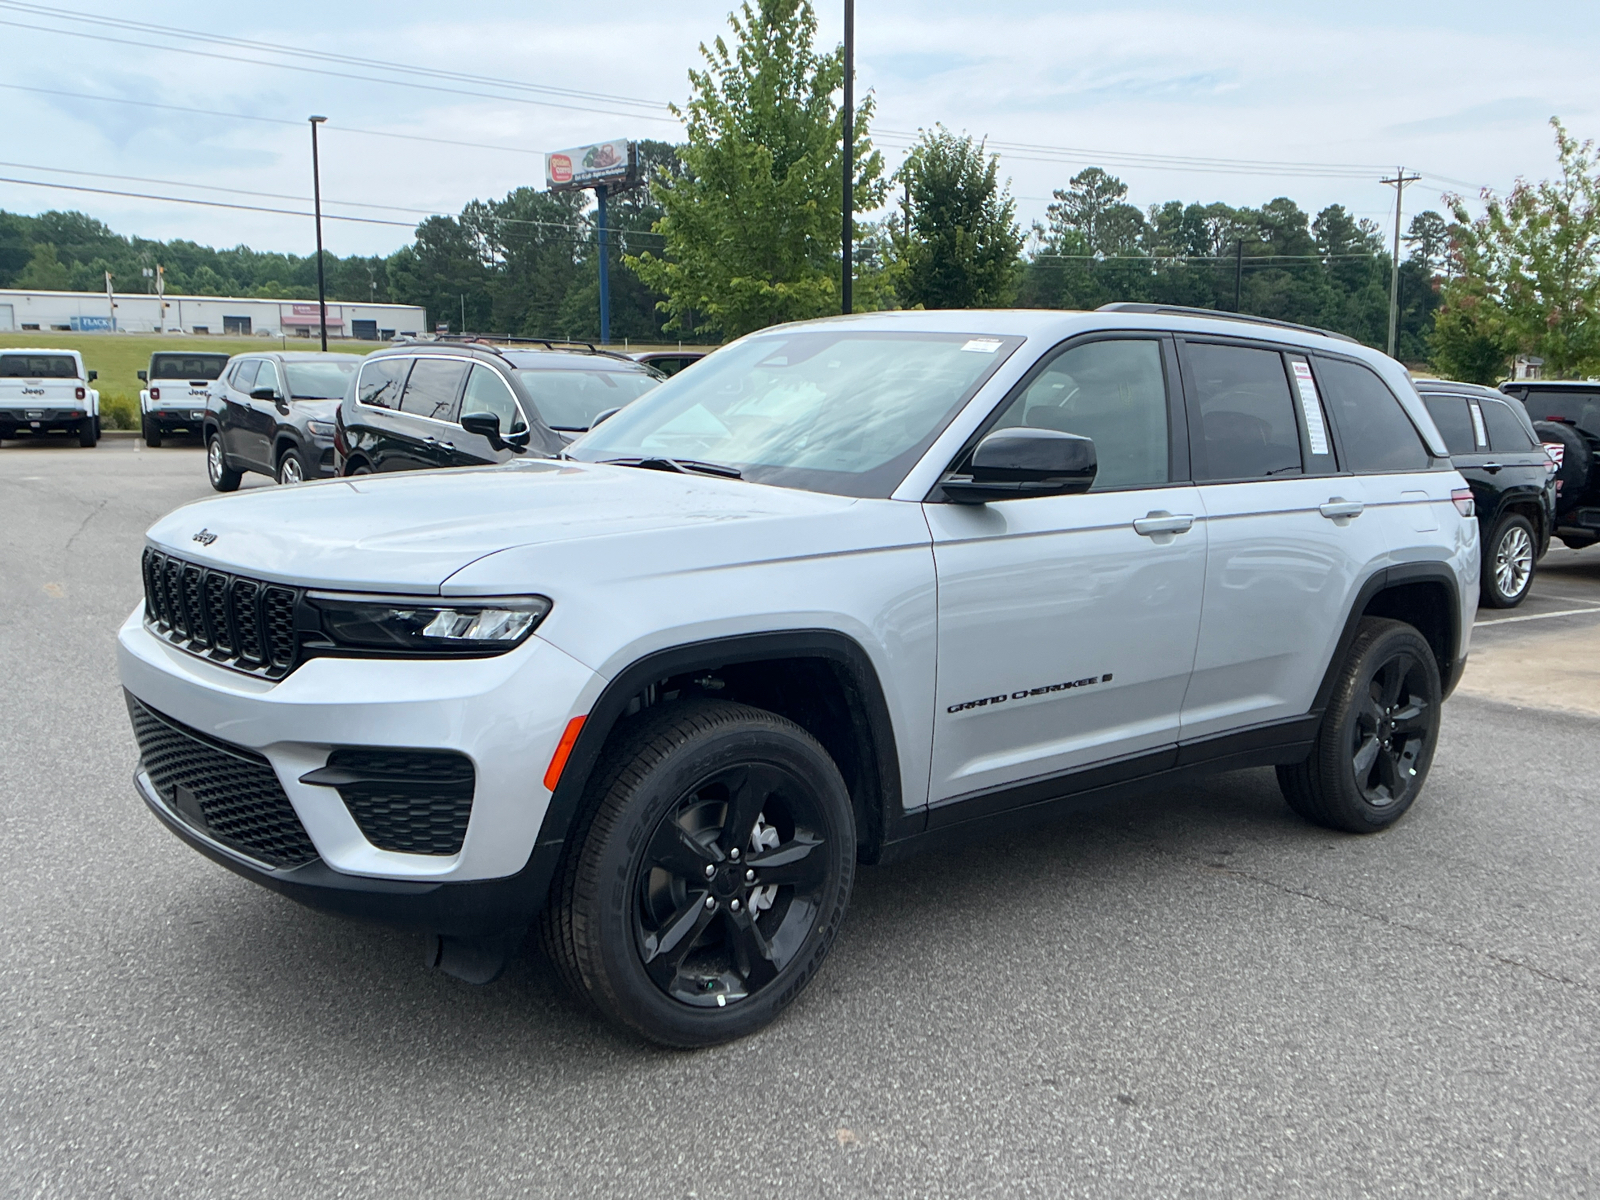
(819, 678)
(285, 441)
(1425, 596)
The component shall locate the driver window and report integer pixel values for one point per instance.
(487, 392)
(267, 378)
(1114, 392)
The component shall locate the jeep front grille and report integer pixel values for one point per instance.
(246, 624)
(227, 792)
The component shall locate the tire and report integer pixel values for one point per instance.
(1385, 710)
(152, 433)
(223, 477)
(360, 468)
(1577, 463)
(635, 926)
(291, 467)
(88, 434)
(1509, 562)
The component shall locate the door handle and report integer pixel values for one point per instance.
(1491, 467)
(437, 444)
(1338, 506)
(1161, 521)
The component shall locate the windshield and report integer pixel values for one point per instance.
(573, 399)
(320, 380)
(38, 366)
(187, 366)
(824, 410)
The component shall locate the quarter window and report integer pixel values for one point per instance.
(433, 387)
(1506, 433)
(1247, 427)
(1114, 392)
(1374, 430)
(488, 393)
(1450, 414)
(381, 381)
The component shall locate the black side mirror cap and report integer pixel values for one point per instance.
(93, 375)
(1022, 462)
(487, 426)
(264, 394)
(605, 416)
(144, 376)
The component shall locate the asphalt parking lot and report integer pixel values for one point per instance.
(1196, 993)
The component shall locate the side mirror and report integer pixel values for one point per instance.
(93, 375)
(144, 376)
(487, 426)
(1013, 464)
(264, 394)
(605, 416)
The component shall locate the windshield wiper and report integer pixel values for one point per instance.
(684, 466)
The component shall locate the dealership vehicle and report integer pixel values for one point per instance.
(1567, 415)
(274, 413)
(174, 397)
(845, 586)
(47, 391)
(1493, 444)
(471, 403)
(669, 362)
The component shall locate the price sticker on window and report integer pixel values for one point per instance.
(982, 345)
(1311, 405)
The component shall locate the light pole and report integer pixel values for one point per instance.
(848, 236)
(1399, 182)
(316, 197)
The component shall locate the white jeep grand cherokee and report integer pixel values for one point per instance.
(843, 586)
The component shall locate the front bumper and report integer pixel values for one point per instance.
(506, 714)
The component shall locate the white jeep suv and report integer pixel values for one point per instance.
(845, 586)
(48, 391)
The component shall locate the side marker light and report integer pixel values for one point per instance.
(558, 760)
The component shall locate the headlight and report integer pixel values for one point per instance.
(399, 623)
(320, 428)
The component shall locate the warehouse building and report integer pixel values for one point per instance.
(237, 316)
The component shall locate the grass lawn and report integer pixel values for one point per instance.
(120, 356)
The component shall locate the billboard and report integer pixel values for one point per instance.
(613, 164)
(91, 324)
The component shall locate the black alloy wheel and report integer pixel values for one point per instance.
(223, 477)
(1376, 741)
(711, 877)
(1508, 564)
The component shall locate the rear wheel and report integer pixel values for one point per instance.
(708, 884)
(88, 432)
(1508, 563)
(152, 432)
(1375, 745)
(223, 477)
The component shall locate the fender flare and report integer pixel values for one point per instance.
(1387, 577)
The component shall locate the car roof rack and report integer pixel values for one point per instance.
(497, 343)
(1183, 310)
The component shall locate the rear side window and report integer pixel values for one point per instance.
(267, 377)
(1568, 405)
(38, 366)
(1375, 432)
(381, 381)
(1505, 431)
(1450, 414)
(1247, 428)
(433, 387)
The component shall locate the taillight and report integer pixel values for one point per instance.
(1462, 499)
(155, 393)
(81, 394)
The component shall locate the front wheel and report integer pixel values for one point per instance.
(711, 878)
(1376, 741)
(1508, 563)
(223, 477)
(291, 467)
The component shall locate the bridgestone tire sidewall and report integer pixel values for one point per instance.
(1343, 804)
(615, 975)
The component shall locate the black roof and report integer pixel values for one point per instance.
(1452, 385)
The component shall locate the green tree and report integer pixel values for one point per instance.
(1526, 274)
(751, 228)
(959, 242)
(44, 270)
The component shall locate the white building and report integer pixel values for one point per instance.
(84, 312)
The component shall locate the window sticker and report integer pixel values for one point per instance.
(1311, 405)
(1478, 430)
(982, 345)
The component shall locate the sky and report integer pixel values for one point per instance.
(1313, 101)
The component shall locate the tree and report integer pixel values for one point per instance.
(750, 230)
(1428, 235)
(1526, 274)
(44, 271)
(958, 247)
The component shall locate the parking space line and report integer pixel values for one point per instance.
(1566, 612)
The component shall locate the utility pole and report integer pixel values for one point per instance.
(1238, 271)
(316, 195)
(605, 266)
(849, 233)
(1399, 184)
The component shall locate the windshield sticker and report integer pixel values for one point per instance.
(1311, 405)
(982, 345)
(1030, 693)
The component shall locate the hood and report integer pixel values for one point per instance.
(318, 410)
(409, 532)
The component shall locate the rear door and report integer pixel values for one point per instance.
(1516, 459)
(233, 416)
(424, 432)
(259, 416)
(1290, 541)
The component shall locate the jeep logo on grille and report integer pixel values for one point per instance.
(205, 537)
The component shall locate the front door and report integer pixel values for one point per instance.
(261, 417)
(1067, 625)
(425, 433)
(486, 393)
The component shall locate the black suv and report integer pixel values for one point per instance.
(274, 413)
(1568, 415)
(1493, 444)
(459, 404)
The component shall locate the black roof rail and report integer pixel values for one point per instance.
(498, 343)
(1183, 310)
